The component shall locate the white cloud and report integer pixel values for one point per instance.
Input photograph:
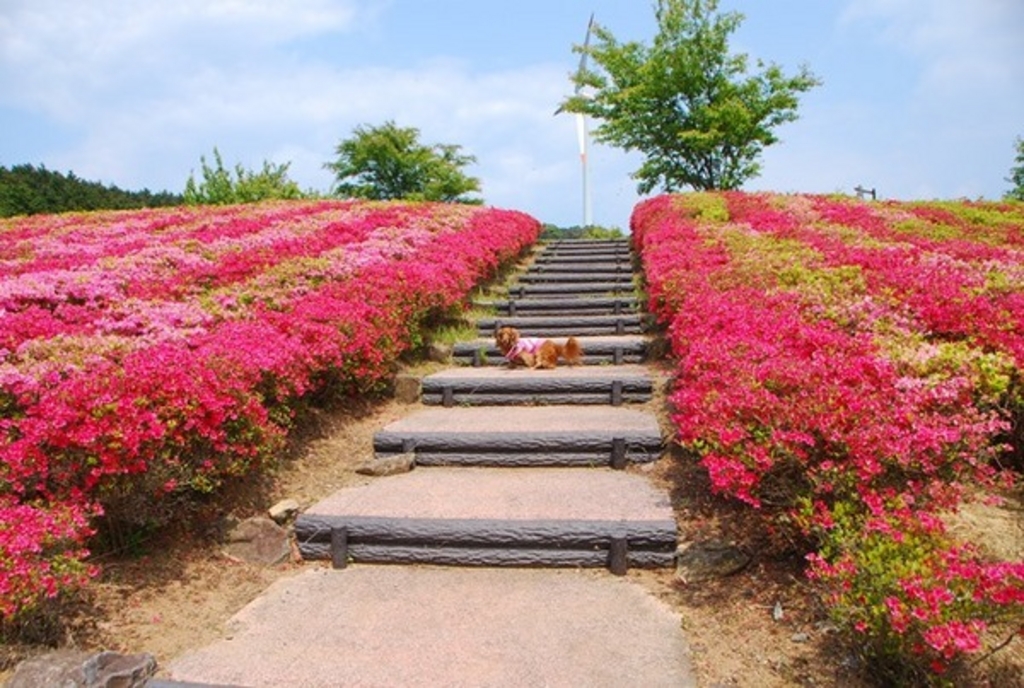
(155, 85)
(143, 88)
(298, 112)
(58, 55)
(963, 46)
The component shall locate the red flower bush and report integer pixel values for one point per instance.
(157, 352)
(851, 379)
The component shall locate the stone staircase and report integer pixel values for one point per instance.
(483, 565)
(520, 467)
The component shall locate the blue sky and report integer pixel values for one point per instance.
(921, 98)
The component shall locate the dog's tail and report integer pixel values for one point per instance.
(572, 352)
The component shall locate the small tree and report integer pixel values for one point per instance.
(1017, 174)
(685, 102)
(388, 162)
(219, 187)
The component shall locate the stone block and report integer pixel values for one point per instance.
(258, 541)
(407, 388)
(77, 669)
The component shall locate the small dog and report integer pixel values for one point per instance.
(534, 352)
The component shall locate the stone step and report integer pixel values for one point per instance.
(614, 350)
(619, 241)
(570, 290)
(588, 244)
(621, 260)
(495, 386)
(495, 517)
(579, 268)
(595, 305)
(564, 326)
(609, 255)
(586, 251)
(610, 277)
(524, 436)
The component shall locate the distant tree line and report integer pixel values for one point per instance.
(551, 232)
(29, 190)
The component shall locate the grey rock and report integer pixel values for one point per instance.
(800, 637)
(407, 388)
(388, 465)
(701, 561)
(826, 627)
(258, 541)
(77, 669)
(283, 511)
(440, 353)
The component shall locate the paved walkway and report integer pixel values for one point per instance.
(507, 534)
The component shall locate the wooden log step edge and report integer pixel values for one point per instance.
(621, 278)
(595, 352)
(569, 289)
(618, 452)
(618, 328)
(637, 442)
(581, 321)
(490, 383)
(486, 542)
(537, 399)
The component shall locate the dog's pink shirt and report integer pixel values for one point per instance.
(525, 345)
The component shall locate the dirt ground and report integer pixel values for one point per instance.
(178, 591)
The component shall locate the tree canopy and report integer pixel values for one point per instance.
(220, 187)
(685, 101)
(1017, 173)
(30, 190)
(388, 162)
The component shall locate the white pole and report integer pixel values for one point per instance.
(588, 213)
(581, 133)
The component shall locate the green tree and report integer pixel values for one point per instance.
(221, 187)
(685, 102)
(28, 190)
(1017, 173)
(389, 163)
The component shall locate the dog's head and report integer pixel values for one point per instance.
(506, 338)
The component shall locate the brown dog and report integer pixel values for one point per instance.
(534, 352)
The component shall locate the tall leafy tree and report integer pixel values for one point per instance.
(388, 162)
(1017, 173)
(686, 102)
(220, 187)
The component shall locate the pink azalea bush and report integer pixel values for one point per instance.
(853, 371)
(153, 353)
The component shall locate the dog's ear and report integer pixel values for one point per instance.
(502, 339)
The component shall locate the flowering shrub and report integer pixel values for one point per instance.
(41, 552)
(144, 354)
(853, 370)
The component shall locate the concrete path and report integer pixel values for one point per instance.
(429, 626)
(507, 494)
(529, 419)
